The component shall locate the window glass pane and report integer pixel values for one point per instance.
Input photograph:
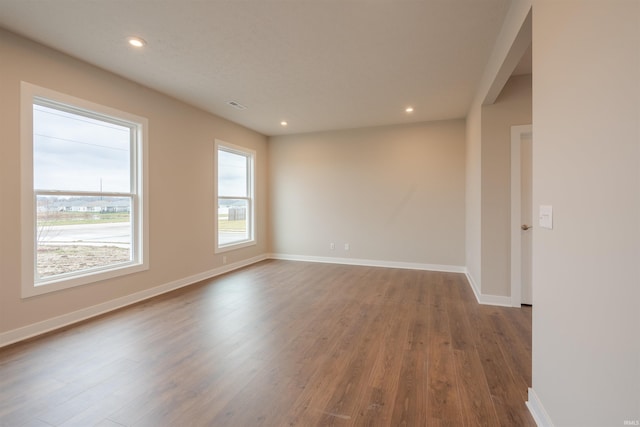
(232, 174)
(73, 152)
(233, 217)
(81, 233)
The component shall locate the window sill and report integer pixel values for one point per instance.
(60, 283)
(234, 246)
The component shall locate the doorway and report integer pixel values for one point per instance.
(521, 215)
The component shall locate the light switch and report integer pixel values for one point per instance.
(545, 219)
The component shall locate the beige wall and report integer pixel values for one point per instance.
(393, 193)
(181, 141)
(512, 41)
(473, 195)
(586, 157)
(511, 108)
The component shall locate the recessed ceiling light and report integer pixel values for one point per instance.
(409, 109)
(283, 123)
(136, 42)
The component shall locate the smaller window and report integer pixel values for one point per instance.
(235, 197)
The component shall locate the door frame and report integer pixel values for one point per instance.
(517, 133)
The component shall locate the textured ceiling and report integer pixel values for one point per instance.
(318, 64)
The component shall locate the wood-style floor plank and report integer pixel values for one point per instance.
(282, 343)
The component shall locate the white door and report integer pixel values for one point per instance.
(526, 214)
(521, 214)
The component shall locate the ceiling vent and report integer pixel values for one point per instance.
(236, 105)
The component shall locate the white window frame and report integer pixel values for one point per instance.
(31, 94)
(251, 198)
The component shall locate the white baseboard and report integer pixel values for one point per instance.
(58, 322)
(497, 300)
(371, 263)
(474, 286)
(483, 299)
(539, 414)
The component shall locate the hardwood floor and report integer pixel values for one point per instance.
(282, 344)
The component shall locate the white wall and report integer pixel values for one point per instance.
(586, 271)
(395, 194)
(181, 148)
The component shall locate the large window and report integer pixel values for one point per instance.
(83, 186)
(234, 188)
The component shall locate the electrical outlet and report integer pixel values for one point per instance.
(346, 247)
